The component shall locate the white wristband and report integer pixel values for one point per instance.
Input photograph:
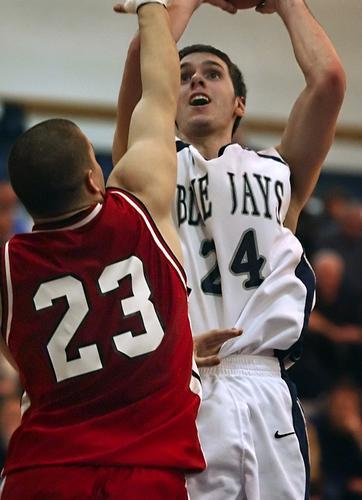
(132, 6)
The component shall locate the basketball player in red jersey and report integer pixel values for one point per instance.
(94, 306)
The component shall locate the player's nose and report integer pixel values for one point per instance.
(197, 79)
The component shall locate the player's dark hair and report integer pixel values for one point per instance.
(236, 75)
(47, 165)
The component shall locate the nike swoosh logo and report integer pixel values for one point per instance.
(278, 436)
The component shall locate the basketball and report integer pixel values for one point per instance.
(245, 4)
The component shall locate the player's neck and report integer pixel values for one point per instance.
(83, 203)
(66, 215)
(209, 145)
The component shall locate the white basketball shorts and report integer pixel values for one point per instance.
(252, 431)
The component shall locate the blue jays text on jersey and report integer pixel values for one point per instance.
(244, 267)
(242, 197)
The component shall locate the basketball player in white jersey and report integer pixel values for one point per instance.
(237, 211)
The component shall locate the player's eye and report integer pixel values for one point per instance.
(185, 77)
(213, 75)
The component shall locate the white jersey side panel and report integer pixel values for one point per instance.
(244, 267)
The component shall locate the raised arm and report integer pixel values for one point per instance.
(148, 167)
(310, 129)
(180, 12)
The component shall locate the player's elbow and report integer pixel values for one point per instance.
(336, 80)
(331, 82)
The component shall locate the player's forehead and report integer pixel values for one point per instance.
(203, 59)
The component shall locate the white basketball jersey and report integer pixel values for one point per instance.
(245, 269)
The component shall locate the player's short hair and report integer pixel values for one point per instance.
(47, 165)
(236, 75)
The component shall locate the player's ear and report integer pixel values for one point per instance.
(239, 106)
(92, 182)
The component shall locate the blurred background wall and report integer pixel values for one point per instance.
(72, 53)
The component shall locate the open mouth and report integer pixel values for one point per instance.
(199, 100)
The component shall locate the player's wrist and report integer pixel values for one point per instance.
(132, 6)
(286, 8)
(178, 9)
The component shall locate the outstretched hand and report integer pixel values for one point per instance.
(208, 344)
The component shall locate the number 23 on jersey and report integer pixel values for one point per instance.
(73, 290)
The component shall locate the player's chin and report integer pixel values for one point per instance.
(204, 108)
(200, 115)
(198, 125)
(193, 122)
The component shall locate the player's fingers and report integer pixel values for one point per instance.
(218, 332)
(119, 8)
(220, 336)
(210, 342)
(213, 345)
(207, 361)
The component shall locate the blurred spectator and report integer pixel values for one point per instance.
(338, 311)
(346, 239)
(335, 202)
(332, 237)
(333, 345)
(339, 428)
(309, 224)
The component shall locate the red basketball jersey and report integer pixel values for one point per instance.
(95, 315)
